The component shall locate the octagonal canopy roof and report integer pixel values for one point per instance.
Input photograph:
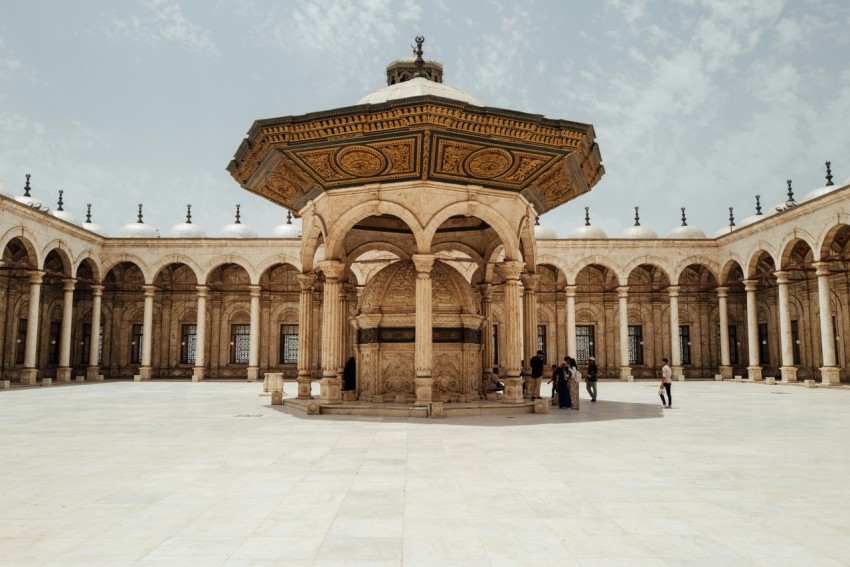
(418, 129)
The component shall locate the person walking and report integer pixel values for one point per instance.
(666, 384)
(592, 377)
(573, 384)
(537, 365)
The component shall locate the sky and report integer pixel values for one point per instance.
(695, 104)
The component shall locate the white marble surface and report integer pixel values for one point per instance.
(166, 473)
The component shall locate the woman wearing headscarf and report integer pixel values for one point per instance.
(563, 384)
(573, 384)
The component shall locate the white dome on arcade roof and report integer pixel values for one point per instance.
(138, 229)
(684, 231)
(28, 200)
(588, 231)
(187, 229)
(637, 231)
(91, 226)
(237, 229)
(61, 213)
(287, 229)
(544, 232)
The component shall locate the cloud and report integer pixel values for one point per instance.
(162, 23)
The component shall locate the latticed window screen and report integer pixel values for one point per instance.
(795, 341)
(733, 344)
(764, 350)
(585, 347)
(136, 345)
(22, 342)
(240, 336)
(189, 344)
(55, 338)
(685, 344)
(838, 359)
(541, 339)
(495, 345)
(635, 344)
(288, 344)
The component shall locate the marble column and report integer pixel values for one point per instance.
(93, 371)
(675, 339)
(529, 327)
(572, 345)
(345, 294)
(146, 370)
(29, 374)
(305, 336)
(254, 339)
(829, 371)
(330, 386)
(510, 271)
(423, 355)
(63, 373)
(487, 331)
(623, 298)
(789, 372)
(722, 307)
(199, 370)
(754, 366)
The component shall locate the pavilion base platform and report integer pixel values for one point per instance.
(432, 410)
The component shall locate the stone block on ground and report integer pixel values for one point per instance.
(46, 381)
(542, 406)
(770, 381)
(80, 379)
(738, 379)
(277, 398)
(810, 384)
(436, 410)
(5, 384)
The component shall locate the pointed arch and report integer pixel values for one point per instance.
(481, 211)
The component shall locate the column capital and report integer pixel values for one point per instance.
(486, 291)
(97, 290)
(510, 269)
(751, 285)
(35, 277)
(254, 290)
(306, 281)
(822, 268)
(69, 285)
(202, 290)
(622, 291)
(722, 292)
(331, 268)
(673, 291)
(423, 263)
(530, 282)
(782, 277)
(570, 290)
(149, 290)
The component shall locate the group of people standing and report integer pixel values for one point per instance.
(565, 380)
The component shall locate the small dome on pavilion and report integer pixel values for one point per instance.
(287, 229)
(61, 213)
(187, 229)
(815, 193)
(684, 231)
(544, 232)
(28, 200)
(237, 229)
(90, 226)
(724, 230)
(637, 231)
(138, 229)
(588, 231)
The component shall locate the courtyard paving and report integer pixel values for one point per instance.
(176, 473)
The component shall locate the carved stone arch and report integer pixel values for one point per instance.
(218, 261)
(236, 311)
(698, 260)
(827, 235)
(790, 242)
(546, 314)
(27, 240)
(491, 256)
(755, 256)
(88, 257)
(313, 235)
(165, 261)
(468, 268)
(595, 260)
(528, 244)
(284, 311)
(480, 211)
(63, 252)
(133, 311)
(556, 263)
(654, 261)
(340, 228)
(278, 259)
(728, 266)
(113, 261)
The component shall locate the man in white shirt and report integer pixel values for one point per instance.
(666, 384)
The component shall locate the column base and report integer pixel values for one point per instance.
(198, 373)
(63, 374)
(528, 387)
(830, 375)
(678, 373)
(424, 388)
(626, 374)
(29, 376)
(5, 384)
(93, 374)
(305, 388)
(789, 374)
(754, 373)
(513, 391)
(253, 373)
(330, 390)
(145, 374)
(726, 372)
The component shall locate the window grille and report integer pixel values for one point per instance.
(635, 344)
(189, 344)
(136, 345)
(585, 347)
(288, 344)
(764, 347)
(240, 338)
(22, 342)
(541, 338)
(685, 344)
